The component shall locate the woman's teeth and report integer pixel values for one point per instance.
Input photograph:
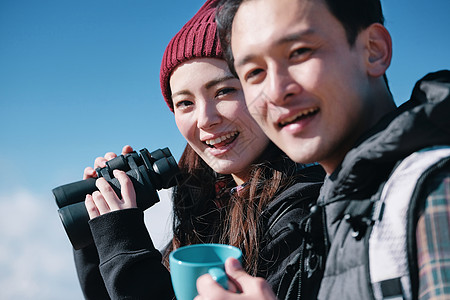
(218, 140)
(300, 115)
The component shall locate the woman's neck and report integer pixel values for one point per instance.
(241, 178)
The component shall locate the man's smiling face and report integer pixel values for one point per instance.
(303, 83)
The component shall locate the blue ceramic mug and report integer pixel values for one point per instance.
(190, 262)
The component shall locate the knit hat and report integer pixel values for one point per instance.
(196, 39)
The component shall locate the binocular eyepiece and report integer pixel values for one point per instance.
(149, 172)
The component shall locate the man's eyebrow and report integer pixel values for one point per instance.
(294, 37)
(297, 36)
(245, 60)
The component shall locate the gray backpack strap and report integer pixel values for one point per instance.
(388, 257)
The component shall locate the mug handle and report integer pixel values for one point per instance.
(219, 276)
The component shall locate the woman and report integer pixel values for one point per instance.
(237, 187)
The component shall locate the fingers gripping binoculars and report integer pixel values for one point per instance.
(149, 172)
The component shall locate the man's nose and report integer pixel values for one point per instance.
(281, 86)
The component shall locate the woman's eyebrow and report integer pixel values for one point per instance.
(216, 81)
(208, 85)
(182, 92)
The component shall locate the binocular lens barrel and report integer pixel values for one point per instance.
(149, 172)
(163, 167)
(74, 192)
(75, 219)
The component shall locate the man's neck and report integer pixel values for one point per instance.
(383, 105)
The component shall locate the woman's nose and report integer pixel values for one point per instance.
(208, 116)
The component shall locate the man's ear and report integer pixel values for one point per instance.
(379, 49)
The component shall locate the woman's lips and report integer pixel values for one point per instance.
(222, 147)
(222, 140)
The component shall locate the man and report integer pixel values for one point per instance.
(313, 74)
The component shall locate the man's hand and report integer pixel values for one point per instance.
(250, 287)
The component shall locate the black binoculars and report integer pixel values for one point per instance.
(149, 172)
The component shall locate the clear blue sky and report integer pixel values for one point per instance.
(79, 78)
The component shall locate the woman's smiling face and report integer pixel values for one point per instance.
(210, 113)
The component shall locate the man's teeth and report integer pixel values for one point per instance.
(301, 114)
(212, 142)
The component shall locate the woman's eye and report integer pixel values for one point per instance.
(183, 104)
(225, 91)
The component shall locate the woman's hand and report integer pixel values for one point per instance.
(99, 162)
(105, 199)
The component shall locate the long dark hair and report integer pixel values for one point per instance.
(205, 209)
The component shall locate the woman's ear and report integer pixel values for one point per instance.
(379, 49)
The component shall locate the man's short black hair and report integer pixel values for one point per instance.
(354, 15)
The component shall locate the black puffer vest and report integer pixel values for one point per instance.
(292, 253)
(349, 194)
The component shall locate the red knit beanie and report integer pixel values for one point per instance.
(196, 39)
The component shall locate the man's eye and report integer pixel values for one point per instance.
(252, 74)
(300, 52)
